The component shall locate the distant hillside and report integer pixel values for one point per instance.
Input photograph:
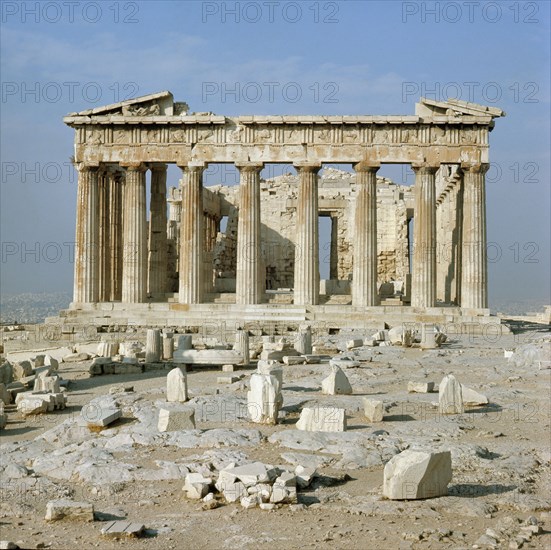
(32, 307)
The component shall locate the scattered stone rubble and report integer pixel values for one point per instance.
(95, 449)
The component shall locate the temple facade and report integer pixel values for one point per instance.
(173, 264)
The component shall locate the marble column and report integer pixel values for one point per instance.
(173, 240)
(423, 284)
(134, 263)
(158, 245)
(458, 237)
(307, 276)
(251, 277)
(104, 259)
(86, 288)
(364, 272)
(115, 185)
(474, 272)
(191, 268)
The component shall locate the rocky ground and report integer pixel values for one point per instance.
(501, 457)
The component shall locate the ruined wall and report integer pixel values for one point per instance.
(337, 190)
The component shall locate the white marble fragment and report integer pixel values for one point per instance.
(450, 397)
(264, 398)
(336, 383)
(322, 419)
(176, 386)
(373, 409)
(417, 474)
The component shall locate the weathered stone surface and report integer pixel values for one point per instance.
(417, 474)
(472, 398)
(107, 349)
(343, 362)
(232, 491)
(208, 357)
(76, 357)
(420, 387)
(264, 398)
(271, 367)
(196, 486)
(336, 383)
(68, 509)
(33, 405)
(294, 360)
(22, 369)
(304, 475)
(355, 343)
(184, 342)
(168, 347)
(303, 343)
(117, 529)
(100, 412)
(428, 336)
(5, 396)
(251, 474)
(242, 345)
(3, 416)
(176, 386)
(450, 397)
(322, 419)
(47, 383)
(227, 379)
(6, 373)
(153, 346)
(373, 409)
(283, 494)
(176, 418)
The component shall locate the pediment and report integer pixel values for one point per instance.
(158, 104)
(455, 107)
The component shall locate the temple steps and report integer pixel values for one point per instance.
(325, 316)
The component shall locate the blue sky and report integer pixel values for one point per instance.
(346, 57)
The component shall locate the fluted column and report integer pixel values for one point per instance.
(307, 276)
(364, 272)
(474, 272)
(191, 236)
(157, 260)
(87, 234)
(134, 265)
(251, 276)
(423, 284)
(104, 259)
(115, 185)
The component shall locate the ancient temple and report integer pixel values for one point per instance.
(174, 266)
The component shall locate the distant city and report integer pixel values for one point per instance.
(33, 307)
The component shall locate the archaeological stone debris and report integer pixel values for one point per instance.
(207, 385)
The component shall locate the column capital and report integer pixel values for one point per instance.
(424, 169)
(85, 167)
(308, 167)
(157, 166)
(134, 166)
(248, 166)
(475, 168)
(365, 166)
(193, 167)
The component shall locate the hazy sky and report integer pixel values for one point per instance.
(346, 57)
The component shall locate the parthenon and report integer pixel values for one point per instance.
(173, 267)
